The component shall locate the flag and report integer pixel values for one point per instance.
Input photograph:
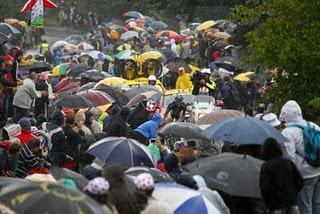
(37, 14)
(31, 3)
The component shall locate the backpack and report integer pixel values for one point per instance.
(311, 138)
(47, 136)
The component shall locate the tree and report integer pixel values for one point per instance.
(284, 34)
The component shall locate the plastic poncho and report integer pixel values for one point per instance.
(184, 81)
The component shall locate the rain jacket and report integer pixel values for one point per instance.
(291, 114)
(184, 81)
(149, 129)
(26, 94)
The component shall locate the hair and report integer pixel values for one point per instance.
(33, 76)
(270, 150)
(34, 143)
(70, 120)
(162, 138)
(192, 143)
(14, 148)
(142, 198)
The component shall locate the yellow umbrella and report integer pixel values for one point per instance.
(206, 25)
(104, 108)
(11, 21)
(23, 24)
(244, 77)
(193, 68)
(222, 35)
(114, 81)
(70, 47)
(151, 55)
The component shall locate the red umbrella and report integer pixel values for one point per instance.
(170, 35)
(98, 98)
(141, 97)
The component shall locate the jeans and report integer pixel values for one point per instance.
(20, 113)
(309, 197)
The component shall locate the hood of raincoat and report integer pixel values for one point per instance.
(291, 112)
(157, 118)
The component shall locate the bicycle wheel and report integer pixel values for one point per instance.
(152, 67)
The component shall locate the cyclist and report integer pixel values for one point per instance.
(177, 109)
(152, 80)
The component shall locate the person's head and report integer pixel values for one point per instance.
(144, 182)
(271, 150)
(178, 100)
(291, 112)
(160, 139)
(171, 162)
(186, 153)
(44, 76)
(89, 117)
(34, 146)
(98, 189)
(151, 106)
(33, 76)
(14, 149)
(181, 71)
(206, 73)
(25, 124)
(114, 174)
(70, 121)
(272, 119)
(57, 118)
(152, 80)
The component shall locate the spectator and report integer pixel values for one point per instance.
(9, 154)
(26, 135)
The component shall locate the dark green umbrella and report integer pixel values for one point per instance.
(60, 173)
(47, 198)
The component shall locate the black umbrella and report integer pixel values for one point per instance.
(76, 70)
(8, 30)
(114, 93)
(59, 173)
(47, 198)
(157, 175)
(228, 63)
(40, 66)
(181, 129)
(3, 38)
(95, 75)
(235, 174)
(140, 89)
(87, 86)
(6, 181)
(73, 101)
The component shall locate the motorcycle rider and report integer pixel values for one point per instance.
(203, 83)
(176, 110)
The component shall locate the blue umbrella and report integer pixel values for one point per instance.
(243, 130)
(183, 200)
(123, 151)
(126, 54)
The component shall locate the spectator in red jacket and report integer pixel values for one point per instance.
(26, 135)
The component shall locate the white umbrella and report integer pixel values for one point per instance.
(85, 46)
(58, 44)
(95, 55)
(129, 35)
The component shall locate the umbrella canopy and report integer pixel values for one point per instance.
(98, 98)
(126, 54)
(74, 39)
(66, 83)
(3, 38)
(158, 25)
(74, 101)
(61, 69)
(78, 69)
(114, 93)
(244, 77)
(143, 96)
(228, 63)
(71, 48)
(235, 174)
(58, 44)
(178, 63)
(181, 129)
(205, 25)
(6, 181)
(183, 200)
(124, 151)
(87, 86)
(170, 35)
(98, 55)
(134, 14)
(129, 35)
(131, 93)
(59, 173)
(216, 116)
(222, 35)
(243, 130)
(157, 175)
(95, 75)
(47, 198)
(114, 82)
(85, 46)
(8, 30)
(40, 66)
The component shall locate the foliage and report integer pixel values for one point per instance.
(284, 34)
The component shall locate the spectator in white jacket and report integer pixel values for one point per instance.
(309, 197)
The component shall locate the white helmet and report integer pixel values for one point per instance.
(206, 71)
(152, 78)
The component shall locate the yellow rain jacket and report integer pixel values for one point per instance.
(184, 81)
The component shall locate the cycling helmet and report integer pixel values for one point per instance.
(203, 91)
(151, 106)
(178, 98)
(152, 78)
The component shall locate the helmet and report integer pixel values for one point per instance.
(152, 78)
(206, 71)
(203, 91)
(151, 106)
(178, 98)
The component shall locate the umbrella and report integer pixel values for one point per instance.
(244, 77)
(134, 14)
(61, 69)
(6, 181)
(114, 93)
(170, 35)
(87, 86)
(243, 130)
(3, 38)
(71, 48)
(58, 44)
(74, 39)
(59, 173)
(176, 64)
(95, 75)
(216, 116)
(183, 200)
(40, 66)
(228, 63)
(124, 151)
(205, 25)
(157, 175)
(85, 46)
(8, 30)
(131, 93)
(181, 129)
(235, 174)
(129, 35)
(98, 98)
(98, 55)
(143, 96)
(78, 69)
(73, 101)
(47, 198)
(222, 35)
(126, 54)
(114, 82)
(158, 25)
(65, 82)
